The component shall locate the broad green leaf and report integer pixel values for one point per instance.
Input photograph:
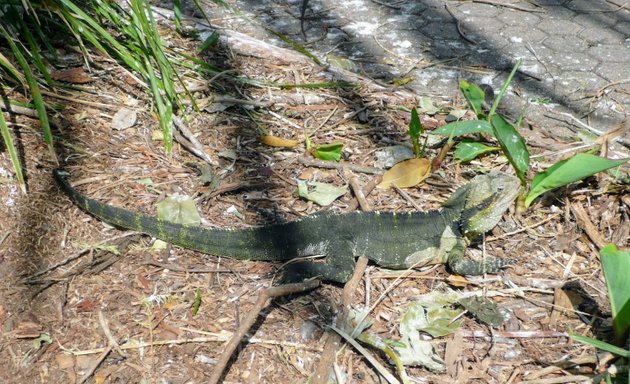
(513, 146)
(459, 128)
(474, 95)
(331, 152)
(602, 345)
(178, 209)
(616, 266)
(469, 150)
(431, 313)
(320, 193)
(568, 171)
(406, 173)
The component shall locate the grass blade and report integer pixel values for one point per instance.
(8, 142)
(34, 90)
(493, 109)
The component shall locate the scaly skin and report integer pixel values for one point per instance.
(391, 240)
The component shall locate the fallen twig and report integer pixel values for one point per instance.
(264, 297)
(31, 279)
(584, 221)
(176, 268)
(359, 194)
(339, 166)
(333, 342)
(191, 143)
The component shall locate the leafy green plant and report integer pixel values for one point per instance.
(514, 147)
(616, 267)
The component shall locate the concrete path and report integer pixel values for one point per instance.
(576, 53)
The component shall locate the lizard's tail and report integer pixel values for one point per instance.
(245, 244)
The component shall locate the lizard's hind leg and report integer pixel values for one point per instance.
(300, 271)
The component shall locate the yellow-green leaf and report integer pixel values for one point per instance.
(406, 173)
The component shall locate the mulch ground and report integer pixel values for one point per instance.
(61, 277)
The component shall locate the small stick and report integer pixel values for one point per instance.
(112, 342)
(333, 342)
(406, 197)
(358, 193)
(176, 268)
(339, 166)
(508, 234)
(264, 298)
(193, 145)
(584, 221)
(75, 256)
(459, 27)
(98, 362)
(369, 187)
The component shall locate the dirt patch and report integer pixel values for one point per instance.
(145, 298)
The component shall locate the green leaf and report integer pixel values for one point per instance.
(43, 338)
(13, 155)
(616, 266)
(415, 129)
(459, 128)
(602, 345)
(330, 152)
(568, 171)
(469, 150)
(178, 209)
(504, 87)
(474, 95)
(415, 126)
(210, 41)
(320, 193)
(197, 302)
(34, 89)
(294, 45)
(513, 146)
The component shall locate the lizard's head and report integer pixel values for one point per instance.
(483, 201)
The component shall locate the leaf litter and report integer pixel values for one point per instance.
(41, 232)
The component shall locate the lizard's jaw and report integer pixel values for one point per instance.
(497, 191)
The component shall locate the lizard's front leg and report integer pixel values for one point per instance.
(462, 266)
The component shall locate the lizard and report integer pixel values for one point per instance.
(390, 240)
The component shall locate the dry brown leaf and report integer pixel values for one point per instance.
(406, 173)
(275, 141)
(72, 75)
(457, 281)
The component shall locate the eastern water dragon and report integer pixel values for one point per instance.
(396, 241)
